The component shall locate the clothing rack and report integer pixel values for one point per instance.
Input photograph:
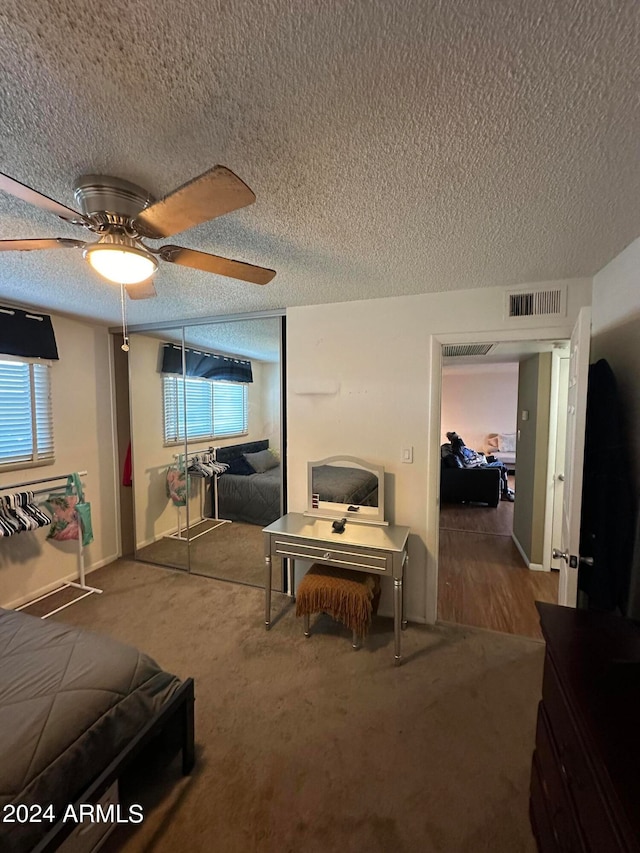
(187, 461)
(214, 452)
(82, 585)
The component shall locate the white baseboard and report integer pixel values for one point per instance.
(43, 590)
(153, 539)
(534, 567)
(169, 532)
(523, 554)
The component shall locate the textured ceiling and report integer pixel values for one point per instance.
(394, 148)
(258, 338)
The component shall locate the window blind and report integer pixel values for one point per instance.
(229, 408)
(214, 409)
(26, 421)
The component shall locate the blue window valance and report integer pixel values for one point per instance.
(205, 365)
(26, 334)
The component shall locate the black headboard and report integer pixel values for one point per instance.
(235, 451)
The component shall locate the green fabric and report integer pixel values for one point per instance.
(68, 510)
(83, 508)
(84, 514)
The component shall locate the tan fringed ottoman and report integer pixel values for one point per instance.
(348, 597)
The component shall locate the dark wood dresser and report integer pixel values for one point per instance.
(585, 775)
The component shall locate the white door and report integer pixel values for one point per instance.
(557, 486)
(574, 458)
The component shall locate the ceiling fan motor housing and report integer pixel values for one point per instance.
(110, 201)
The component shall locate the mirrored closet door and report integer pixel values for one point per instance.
(206, 446)
(158, 450)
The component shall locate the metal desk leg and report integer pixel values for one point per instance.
(404, 621)
(267, 592)
(397, 617)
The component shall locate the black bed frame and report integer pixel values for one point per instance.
(175, 719)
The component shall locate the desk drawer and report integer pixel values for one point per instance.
(345, 556)
(554, 788)
(580, 780)
(546, 835)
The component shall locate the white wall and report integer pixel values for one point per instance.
(616, 290)
(155, 515)
(81, 391)
(380, 353)
(478, 399)
(270, 384)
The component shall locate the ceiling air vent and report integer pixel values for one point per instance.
(536, 302)
(463, 350)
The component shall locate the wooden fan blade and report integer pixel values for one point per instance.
(142, 290)
(212, 194)
(31, 245)
(13, 187)
(215, 264)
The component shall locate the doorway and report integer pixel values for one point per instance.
(491, 542)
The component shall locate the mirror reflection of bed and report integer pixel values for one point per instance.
(345, 486)
(170, 443)
(245, 498)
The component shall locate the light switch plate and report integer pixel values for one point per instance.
(407, 454)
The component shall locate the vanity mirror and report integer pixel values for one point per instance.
(346, 487)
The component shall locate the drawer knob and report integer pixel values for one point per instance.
(326, 555)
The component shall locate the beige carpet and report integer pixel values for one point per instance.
(306, 745)
(233, 552)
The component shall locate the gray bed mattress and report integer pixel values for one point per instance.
(70, 701)
(254, 499)
(345, 485)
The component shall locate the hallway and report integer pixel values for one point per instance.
(482, 579)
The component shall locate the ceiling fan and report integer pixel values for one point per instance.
(122, 214)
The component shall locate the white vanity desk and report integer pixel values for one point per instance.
(376, 548)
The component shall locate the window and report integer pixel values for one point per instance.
(214, 409)
(26, 421)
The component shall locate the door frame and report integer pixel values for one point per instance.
(437, 341)
(558, 399)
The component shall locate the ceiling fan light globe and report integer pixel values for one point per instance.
(121, 265)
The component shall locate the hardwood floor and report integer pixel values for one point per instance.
(482, 579)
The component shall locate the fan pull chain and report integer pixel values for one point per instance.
(123, 306)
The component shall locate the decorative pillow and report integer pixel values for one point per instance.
(507, 442)
(493, 441)
(240, 467)
(261, 461)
